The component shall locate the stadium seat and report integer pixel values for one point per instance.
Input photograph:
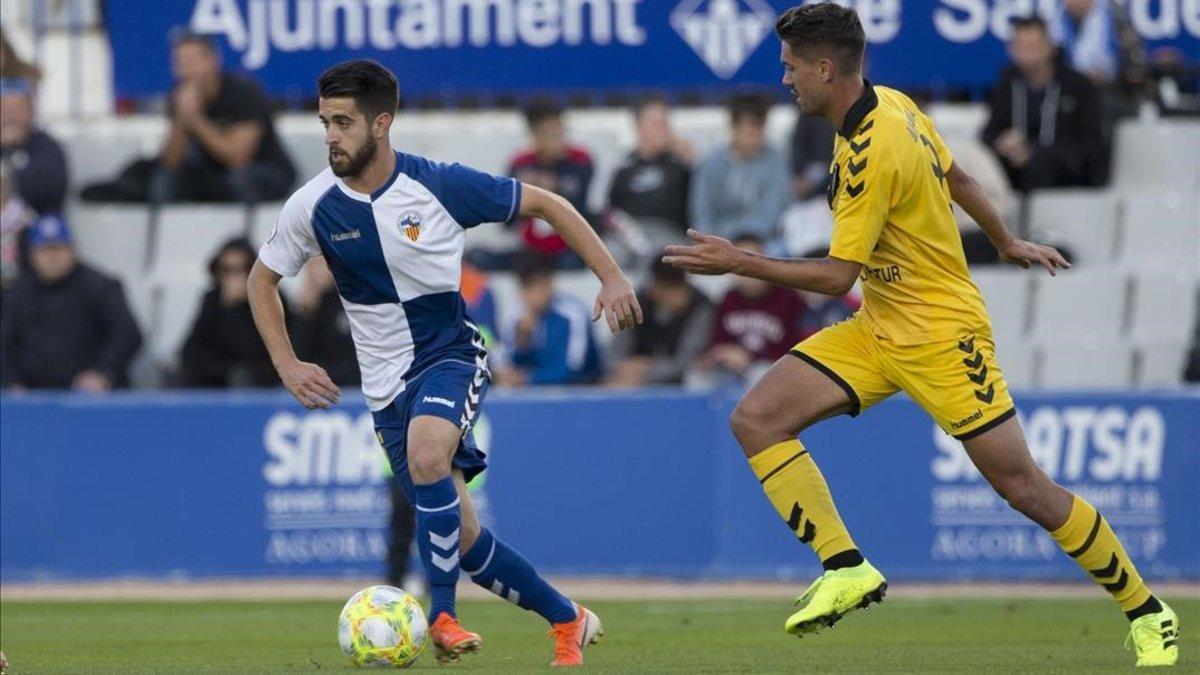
(1018, 362)
(1160, 364)
(112, 237)
(1161, 231)
(188, 235)
(714, 287)
(1079, 304)
(1083, 221)
(179, 306)
(94, 157)
(1086, 364)
(1006, 293)
(1163, 307)
(1163, 155)
(262, 221)
(308, 152)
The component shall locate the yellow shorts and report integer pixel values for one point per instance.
(957, 382)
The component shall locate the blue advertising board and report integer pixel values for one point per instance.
(583, 482)
(451, 47)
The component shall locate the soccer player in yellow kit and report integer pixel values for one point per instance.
(923, 329)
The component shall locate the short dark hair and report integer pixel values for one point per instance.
(826, 28)
(532, 266)
(649, 101)
(182, 35)
(749, 106)
(540, 110)
(743, 238)
(666, 273)
(1031, 21)
(372, 86)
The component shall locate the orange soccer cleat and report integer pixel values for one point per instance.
(571, 637)
(450, 640)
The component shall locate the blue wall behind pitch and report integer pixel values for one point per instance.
(584, 482)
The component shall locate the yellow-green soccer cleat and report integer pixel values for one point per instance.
(1154, 638)
(834, 594)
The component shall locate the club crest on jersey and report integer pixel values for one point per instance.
(410, 225)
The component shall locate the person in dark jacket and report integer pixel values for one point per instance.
(322, 329)
(221, 145)
(223, 349)
(67, 325)
(37, 160)
(652, 183)
(1046, 119)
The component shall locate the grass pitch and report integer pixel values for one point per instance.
(697, 636)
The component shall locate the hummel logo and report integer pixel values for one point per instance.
(343, 236)
(725, 33)
(434, 399)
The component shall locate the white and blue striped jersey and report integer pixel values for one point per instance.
(396, 258)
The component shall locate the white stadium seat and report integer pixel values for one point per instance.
(262, 221)
(1161, 231)
(1160, 364)
(1084, 221)
(309, 154)
(1086, 364)
(179, 306)
(188, 235)
(94, 157)
(1079, 304)
(1018, 362)
(1006, 294)
(1163, 155)
(1163, 307)
(112, 237)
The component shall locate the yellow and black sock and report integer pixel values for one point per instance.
(799, 493)
(1087, 537)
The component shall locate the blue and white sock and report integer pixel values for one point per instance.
(501, 570)
(438, 521)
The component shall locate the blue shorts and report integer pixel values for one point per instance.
(451, 390)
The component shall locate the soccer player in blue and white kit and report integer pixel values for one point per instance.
(391, 227)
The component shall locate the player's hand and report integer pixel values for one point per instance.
(709, 254)
(1024, 253)
(310, 384)
(618, 304)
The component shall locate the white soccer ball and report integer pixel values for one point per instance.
(382, 627)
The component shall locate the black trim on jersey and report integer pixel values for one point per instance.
(980, 430)
(855, 404)
(861, 108)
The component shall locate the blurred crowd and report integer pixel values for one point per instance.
(68, 325)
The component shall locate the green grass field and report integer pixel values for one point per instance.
(697, 636)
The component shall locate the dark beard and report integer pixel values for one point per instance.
(358, 161)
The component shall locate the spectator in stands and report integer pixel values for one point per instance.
(221, 145)
(66, 325)
(481, 302)
(676, 331)
(37, 160)
(322, 330)
(555, 165)
(755, 324)
(651, 185)
(1099, 41)
(1045, 122)
(551, 341)
(822, 311)
(223, 348)
(743, 187)
(812, 153)
(14, 217)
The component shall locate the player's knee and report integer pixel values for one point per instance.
(753, 424)
(428, 465)
(1022, 491)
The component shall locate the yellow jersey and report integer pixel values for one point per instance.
(891, 212)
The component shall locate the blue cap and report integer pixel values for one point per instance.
(15, 85)
(49, 229)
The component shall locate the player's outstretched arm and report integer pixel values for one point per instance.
(617, 302)
(308, 382)
(967, 193)
(713, 255)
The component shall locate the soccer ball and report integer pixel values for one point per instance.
(382, 627)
